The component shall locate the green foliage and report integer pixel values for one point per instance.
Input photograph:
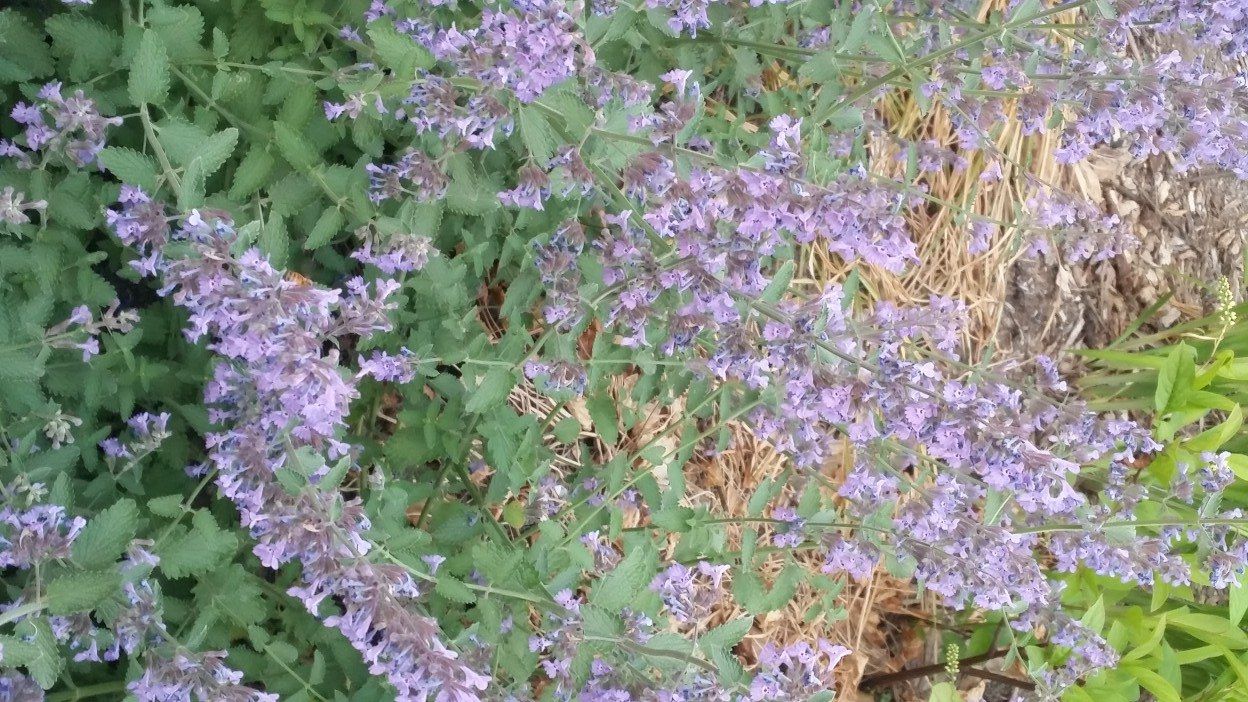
(1174, 644)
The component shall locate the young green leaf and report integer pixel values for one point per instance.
(149, 73)
(107, 535)
(130, 167)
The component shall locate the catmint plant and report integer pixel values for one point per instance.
(366, 349)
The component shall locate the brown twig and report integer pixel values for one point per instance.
(997, 677)
(926, 670)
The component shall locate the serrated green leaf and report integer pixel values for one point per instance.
(495, 385)
(214, 152)
(622, 585)
(275, 241)
(90, 46)
(220, 43)
(180, 28)
(130, 167)
(397, 51)
(606, 422)
(469, 193)
(167, 506)
(454, 590)
(81, 591)
(181, 139)
(537, 134)
(149, 73)
(293, 193)
(327, 226)
(19, 366)
(192, 184)
(105, 538)
(46, 663)
(823, 67)
(726, 635)
(252, 173)
(25, 55)
(293, 147)
(198, 550)
(70, 203)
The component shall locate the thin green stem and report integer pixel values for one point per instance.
(87, 691)
(22, 611)
(149, 131)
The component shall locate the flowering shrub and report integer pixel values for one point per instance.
(279, 275)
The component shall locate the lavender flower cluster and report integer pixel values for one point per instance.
(684, 255)
(277, 394)
(77, 131)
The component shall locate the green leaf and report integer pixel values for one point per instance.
(779, 284)
(864, 22)
(292, 194)
(454, 590)
(1154, 683)
(397, 51)
(674, 519)
(327, 226)
(46, 663)
(25, 55)
(71, 203)
(567, 430)
(493, 390)
(1211, 629)
(622, 585)
(252, 173)
(220, 44)
(293, 147)
(130, 167)
(469, 192)
(167, 506)
(1154, 640)
(823, 67)
(90, 46)
(1094, 618)
(537, 134)
(944, 692)
(1239, 602)
(1213, 438)
(214, 152)
(149, 73)
(181, 139)
(275, 241)
(180, 28)
(107, 535)
(198, 550)
(194, 180)
(81, 591)
(606, 421)
(718, 642)
(1122, 359)
(1174, 379)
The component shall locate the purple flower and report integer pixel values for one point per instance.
(789, 528)
(389, 368)
(190, 676)
(690, 593)
(279, 386)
